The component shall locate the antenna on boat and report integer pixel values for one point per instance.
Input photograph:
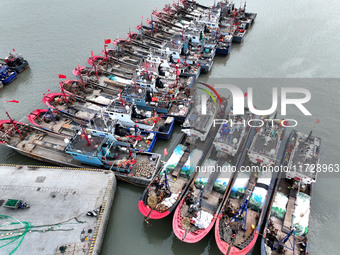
(310, 133)
(87, 138)
(93, 64)
(106, 44)
(63, 91)
(77, 72)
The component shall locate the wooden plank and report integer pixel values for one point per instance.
(287, 222)
(210, 184)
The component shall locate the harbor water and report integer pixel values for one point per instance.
(288, 40)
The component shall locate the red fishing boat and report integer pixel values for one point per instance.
(196, 214)
(70, 105)
(238, 225)
(166, 189)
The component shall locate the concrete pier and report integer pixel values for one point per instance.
(59, 198)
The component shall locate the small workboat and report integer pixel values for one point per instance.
(238, 225)
(7, 76)
(15, 62)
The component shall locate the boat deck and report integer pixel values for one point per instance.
(230, 136)
(242, 236)
(305, 153)
(267, 141)
(277, 228)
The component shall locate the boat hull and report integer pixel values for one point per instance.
(222, 51)
(151, 214)
(224, 247)
(205, 68)
(10, 78)
(20, 68)
(166, 135)
(138, 181)
(238, 39)
(189, 237)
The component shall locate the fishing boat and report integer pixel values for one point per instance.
(15, 62)
(74, 106)
(88, 148)
(166, 190)
(238, 225)
(238, 35)
(7, 76)
(90, 91)
(287, 225)
(224, 45)
(55, 121)
(146, 99)
(58, 122)
(196, 214)
(161, 197)
(206, 59)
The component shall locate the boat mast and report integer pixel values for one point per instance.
(15, 126)
(63, 92)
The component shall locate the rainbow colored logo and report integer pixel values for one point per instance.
(204, 110)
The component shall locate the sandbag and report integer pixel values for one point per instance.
(301, 214)
(279, 205)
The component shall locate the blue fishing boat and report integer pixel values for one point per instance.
(102, 149)
(224, 45)
(7, 76)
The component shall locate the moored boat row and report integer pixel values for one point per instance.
(125, 99)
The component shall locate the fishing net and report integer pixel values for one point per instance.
(12, 233)
(186, 223)
(152, 201)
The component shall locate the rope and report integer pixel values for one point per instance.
(28, 227)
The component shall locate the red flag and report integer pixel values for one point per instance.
(245, 94)
(107, 41)
(317, 121)
(92, 53)
(61, 76)
(105, 45)
(13, 101)
(13, 50)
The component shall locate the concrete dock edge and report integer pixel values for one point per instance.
(103, 218)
